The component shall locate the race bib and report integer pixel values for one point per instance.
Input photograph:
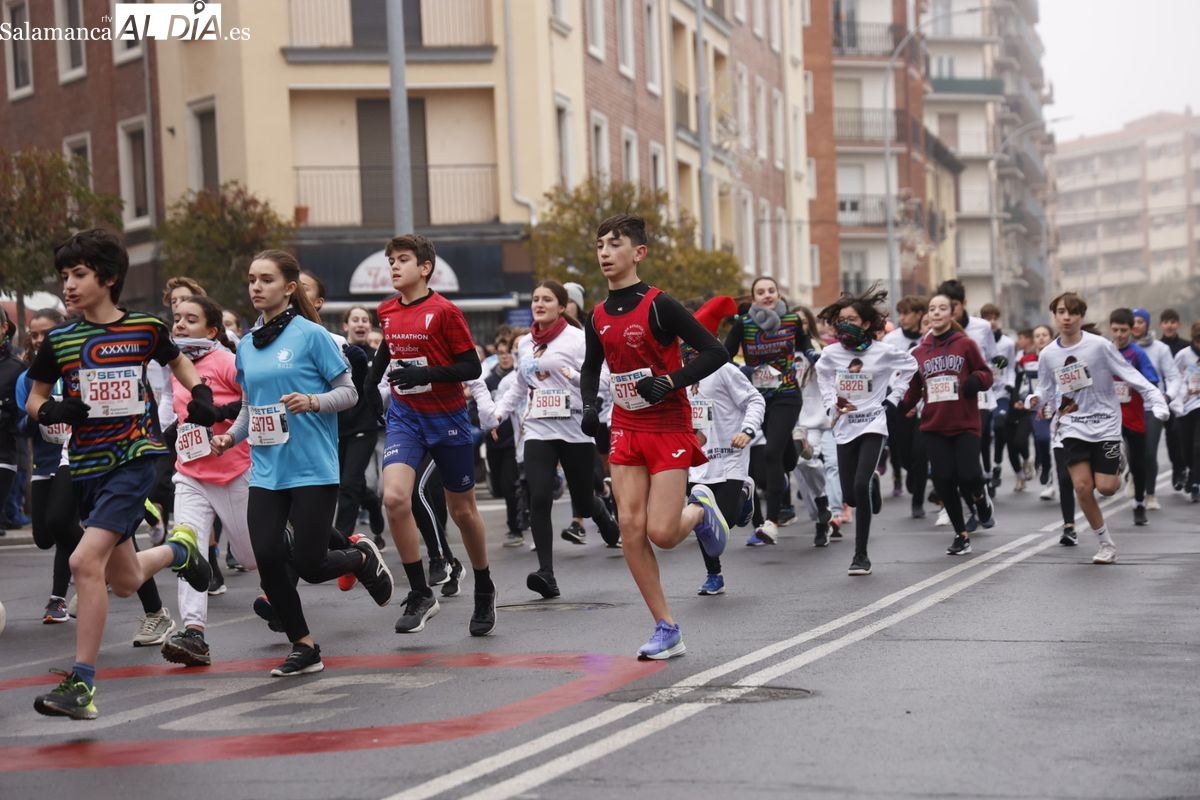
(192, 442)
(112, 392)
(268, 425)
(415, 361)
(702, 414)
(941, 389)
(765, 377)
(59, 433)
(624, 389)
(986, 401)
(1123, 393)
(550, 404)
(1193, 380)
(853, 385)
(1072, 377)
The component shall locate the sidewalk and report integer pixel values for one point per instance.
(16, 536)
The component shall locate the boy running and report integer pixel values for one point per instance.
(637, 331)
(101, 358)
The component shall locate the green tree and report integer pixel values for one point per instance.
(44, 198)
(564, 243)
(211, 235)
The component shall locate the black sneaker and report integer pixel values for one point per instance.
(216, 584)
(961, 546)
(996, 477)
(232, 562)
(379, 540)
(374, 574)
(1068, 538)
(821, 537)
(859, 566)
(835, 530)
(1139, 515)
(303, 660)
(787, 515)
(483, 621)
(876, 494)
(986, 513)
(574, 533)
(439, 571)
(71, 698)
(918, 509)
(266, 612)
(453, 584)
(417, 608)
(972, 523)
(187, 647)
(543, 583)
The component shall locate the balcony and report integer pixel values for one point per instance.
(1028, 105)
(867, 125)
(874, 39)
(1018, 32)
(1033, 164)
(333, 31)
(863, 210)
(338, 197)
(683, 108)
(987, 87)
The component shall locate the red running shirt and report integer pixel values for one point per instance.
(629, 345)
(433, 329)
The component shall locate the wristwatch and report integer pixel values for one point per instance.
(750, 432)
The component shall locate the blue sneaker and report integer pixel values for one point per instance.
(712, 532)
(754, 540)
(714, 584)
(667, 642)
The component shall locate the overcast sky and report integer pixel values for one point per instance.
(1112, 61)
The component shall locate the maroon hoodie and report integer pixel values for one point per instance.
(950, 375)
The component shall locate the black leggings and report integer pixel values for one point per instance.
(429, 509)
(310, 510)
(770, 464)
(857, 460)
(957, 474)
(1135, 451)
(354, 455)
(985, 440)
(1066, 488)
(502, 469)
(908, 451)
(1189, 447)
(541, 458)
(729, 501)
(1018, 427)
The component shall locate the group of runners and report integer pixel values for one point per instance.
(660, 432)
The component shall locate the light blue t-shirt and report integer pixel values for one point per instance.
(305, 359)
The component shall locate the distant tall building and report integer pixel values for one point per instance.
(1128, 208)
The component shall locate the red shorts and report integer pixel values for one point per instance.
(657, 452)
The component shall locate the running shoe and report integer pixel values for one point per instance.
(56, 611)
(1195, 498)
(349, 580)
(876, 496)
(997, 477)
(1107, 554)
(821, 537)
(154, 519)
(1139, 516)
(1069, 538)
(897, 489)
(543, 583)
(439, 571)
(1152, 503)
(303, 660)
(265, 611)
(380, 542)
(514, 539)
(859, 566)
(574, 533)
(417, 609)
(72, 698)
(195, 570)
(787, 515)
(1027, 470)
(835, 530)
(1050, 493)
(713, 584)
(153, 629)
(754, 540)
(216, 584)
(1019, 483)
(972, 524)
(961, 546)
(1129, 488)
(610, 531)
(453, 586)
(73, 606)
(987, 513)
(483, 620)
(747, 512)
(667, 642)
(918, 508)
(943, 519)
(374, 574)
(768, 532)
(232, 562)
(187, 647)
(712, 532)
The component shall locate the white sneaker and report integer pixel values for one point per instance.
(153, 629)
(943, 519)
(1049, 493)
(1019, 484)
(1152, 503)
(769, 532)
(1027, 470)
(1128, 486)
(1107, 554)
(73, 606)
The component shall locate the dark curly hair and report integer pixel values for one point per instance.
(871, 307)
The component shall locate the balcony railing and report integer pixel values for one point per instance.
(362, 196)
(1017, 88)
(363, 26)
(865, 38)
(863, 210)
(866, 125)
(974, 86)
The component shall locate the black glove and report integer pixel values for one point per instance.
(999, 362)
(407, 376)
(971, 384)
(590, 423)
(229, 410)
(200, 409)
(654, 388)
(70, 410)
(359, 364)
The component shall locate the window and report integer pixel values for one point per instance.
(764, 238)
(124, 49)
(760, 116)
(943, 67)
(775, 25)
(759, 18)
(658, 167)
(17, 56)
(806, 12)
(783, 246)
(204, 171)
(854, 271)
(79, 150)
(601, 165)
(625, 37)
(595, 28)
(808, 92)
(812, 179)
(739, 10)
(558, 14)
(134, 172)
(71, 60)
(743, 106)
(747, 233)
(795, 26)
(629, 155)
(778, 127)
(653, 49)
(562, 119)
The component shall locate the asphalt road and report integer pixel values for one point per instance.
(1021, 670)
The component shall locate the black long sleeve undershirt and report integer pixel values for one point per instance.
(466, 367)
(668, 320)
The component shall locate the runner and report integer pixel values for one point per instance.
(500, 446)
(1020, 423)
(1081, 366)
(950, 374)
(904, 431)
(636, 330)
(1168, 329)
(1041, 420)
(859, 377)
(1133, 414)
(1187, 411)
(358, 429)
(101, 358)
(811, 428)
(1170, 384)
(1003, 366)
(289, 415)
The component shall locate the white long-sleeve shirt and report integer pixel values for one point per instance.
(1188, 399)
(1170, 382)
(884, 373)
(1004, 379)
(554, 404)
(980, 330)
(734, 404)
(1088, 381)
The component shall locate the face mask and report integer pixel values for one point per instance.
(852, 336)
(195, 349)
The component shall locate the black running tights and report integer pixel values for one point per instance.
(957, 474)
(857, 460)
(542, 456)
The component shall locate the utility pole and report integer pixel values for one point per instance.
(702, 122)
(401, 159)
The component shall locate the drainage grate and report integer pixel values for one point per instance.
(557, 606)
(709, 694)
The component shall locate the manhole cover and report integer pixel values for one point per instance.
(709, 694)
(557, 606)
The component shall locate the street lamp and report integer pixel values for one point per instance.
(889, 198)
